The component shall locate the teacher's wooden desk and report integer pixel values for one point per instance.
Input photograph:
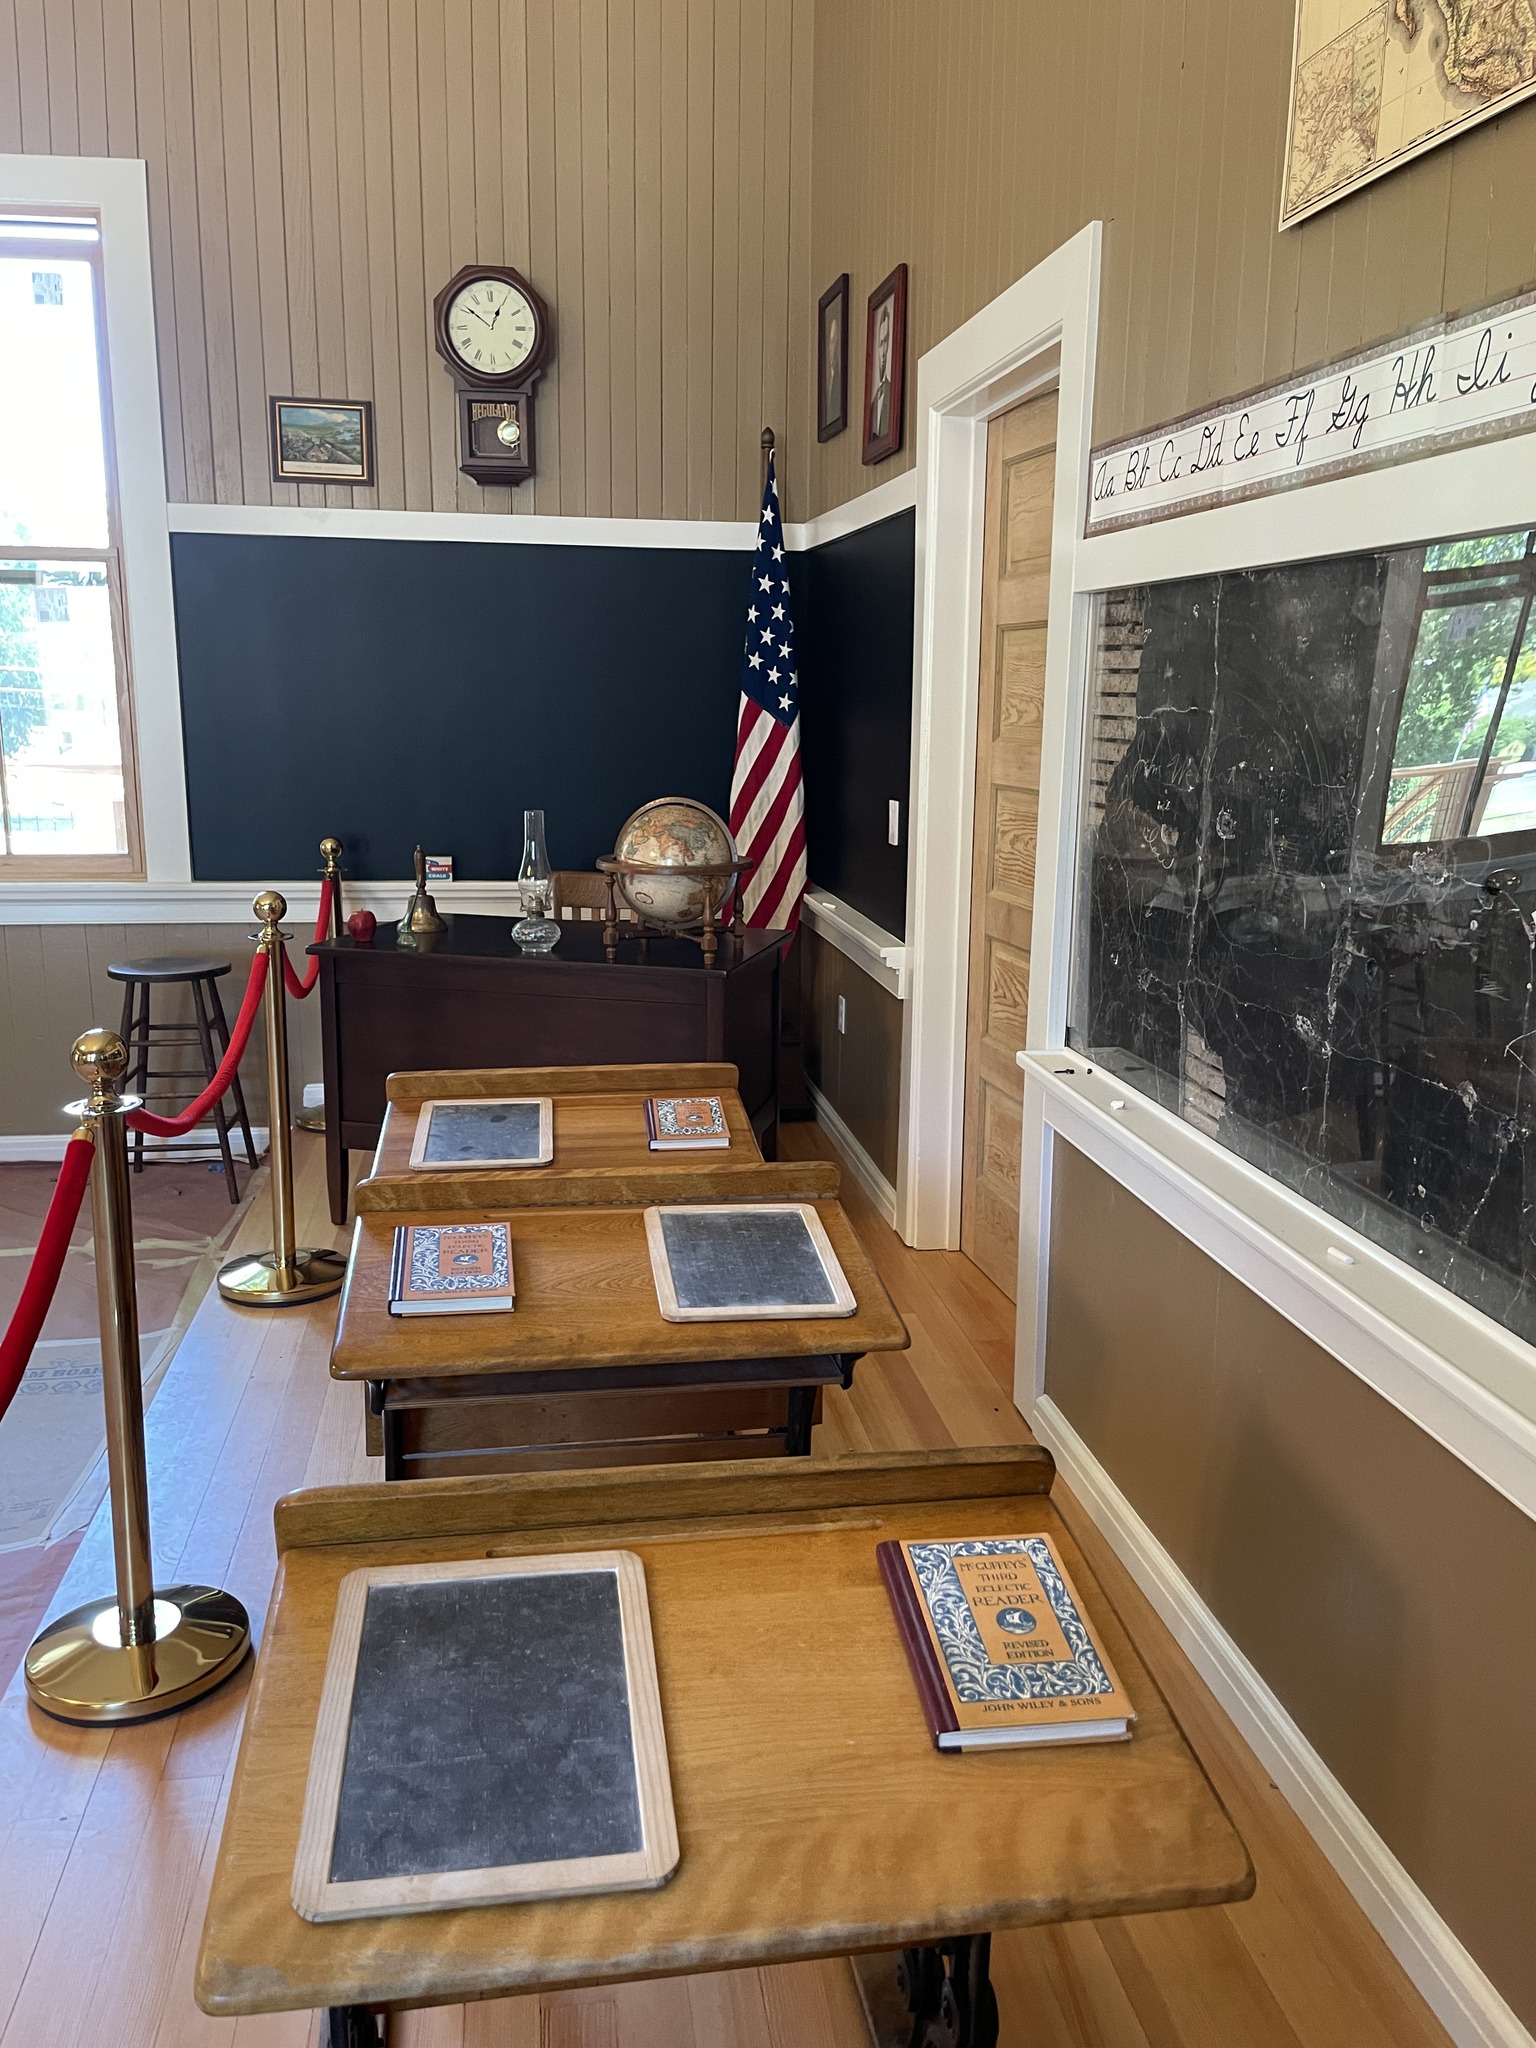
(814, 1814)
(586, 1369)
(601, 1142)
(469, 997)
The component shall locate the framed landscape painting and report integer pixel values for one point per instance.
(317, 441)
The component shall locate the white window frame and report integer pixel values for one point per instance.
(1462, 1377)
(115, 189)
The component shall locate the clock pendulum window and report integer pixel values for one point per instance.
(493, 331)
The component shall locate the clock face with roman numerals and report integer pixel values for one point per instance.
(492, 327)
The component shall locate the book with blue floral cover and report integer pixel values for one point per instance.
(999, 1645)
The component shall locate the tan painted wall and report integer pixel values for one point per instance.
(681, 178)
(318, 169)
(1379, 1586)
(968, 140)
(54, 985)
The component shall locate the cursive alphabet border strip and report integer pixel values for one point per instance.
(1442, 385)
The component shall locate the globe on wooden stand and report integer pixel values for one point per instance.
(675, 864)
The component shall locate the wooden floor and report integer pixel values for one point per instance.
(108, 1840)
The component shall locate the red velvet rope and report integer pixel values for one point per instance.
(300, 989)
(43, 1277)
(177, 1126)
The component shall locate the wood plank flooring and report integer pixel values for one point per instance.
(107, 1840)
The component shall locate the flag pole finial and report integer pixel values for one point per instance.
(767, 441)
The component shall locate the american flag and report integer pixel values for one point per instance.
(767, 800)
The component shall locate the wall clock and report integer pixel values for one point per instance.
(492, 330)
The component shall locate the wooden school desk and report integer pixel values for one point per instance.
(586, 1370)
(470, 997)
(602, 1147)
(815, 1816)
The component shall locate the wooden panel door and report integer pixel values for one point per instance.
(1021, 474)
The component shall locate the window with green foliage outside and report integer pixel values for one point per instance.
(1464, 763)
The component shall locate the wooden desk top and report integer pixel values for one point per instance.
(602, 1148)
(815, 1816)
(586, 1297)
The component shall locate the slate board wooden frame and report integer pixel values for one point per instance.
(317, 1897)
(420, 1163)
(674, 1311)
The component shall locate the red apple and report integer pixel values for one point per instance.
(362, 924)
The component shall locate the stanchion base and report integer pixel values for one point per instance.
(310, 1119)
(79, 1670)
(255, 1282)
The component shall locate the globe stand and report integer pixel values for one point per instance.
(709, 874)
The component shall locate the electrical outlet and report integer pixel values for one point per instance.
(893, 822)
(842, 1013)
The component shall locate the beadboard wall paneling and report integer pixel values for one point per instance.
(318, 169)
(53, 986)
(970, 140)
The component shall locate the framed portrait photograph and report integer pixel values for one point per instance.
(316, 440)
(885, 366)
(832, 360)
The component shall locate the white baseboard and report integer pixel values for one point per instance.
(1455, 1987)
(863, 1168)
(51, 1144)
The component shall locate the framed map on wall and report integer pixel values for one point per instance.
(1373, 86)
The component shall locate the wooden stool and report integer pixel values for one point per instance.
(210, 1034)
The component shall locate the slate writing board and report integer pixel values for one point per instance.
(494, 1131)
(488, 1731)
(461, 1753)
(730, 1261)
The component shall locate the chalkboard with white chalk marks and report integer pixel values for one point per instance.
(489, 1731)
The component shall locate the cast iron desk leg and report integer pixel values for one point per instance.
(797, 1426)
(354, 2026)
(390, 1426)
(394, 1444)
(940, 1996)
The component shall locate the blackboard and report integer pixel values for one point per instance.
(489, 1731)
(854, 608)
(727, 1261)
(430, 691)
(506, 1131)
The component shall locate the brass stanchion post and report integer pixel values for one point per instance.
(144, 1652)
(330, 869)
(288, 1274)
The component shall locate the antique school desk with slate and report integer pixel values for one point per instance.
(602, 1151)
(814, 1815)
(469, 997)
(586, 1369)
